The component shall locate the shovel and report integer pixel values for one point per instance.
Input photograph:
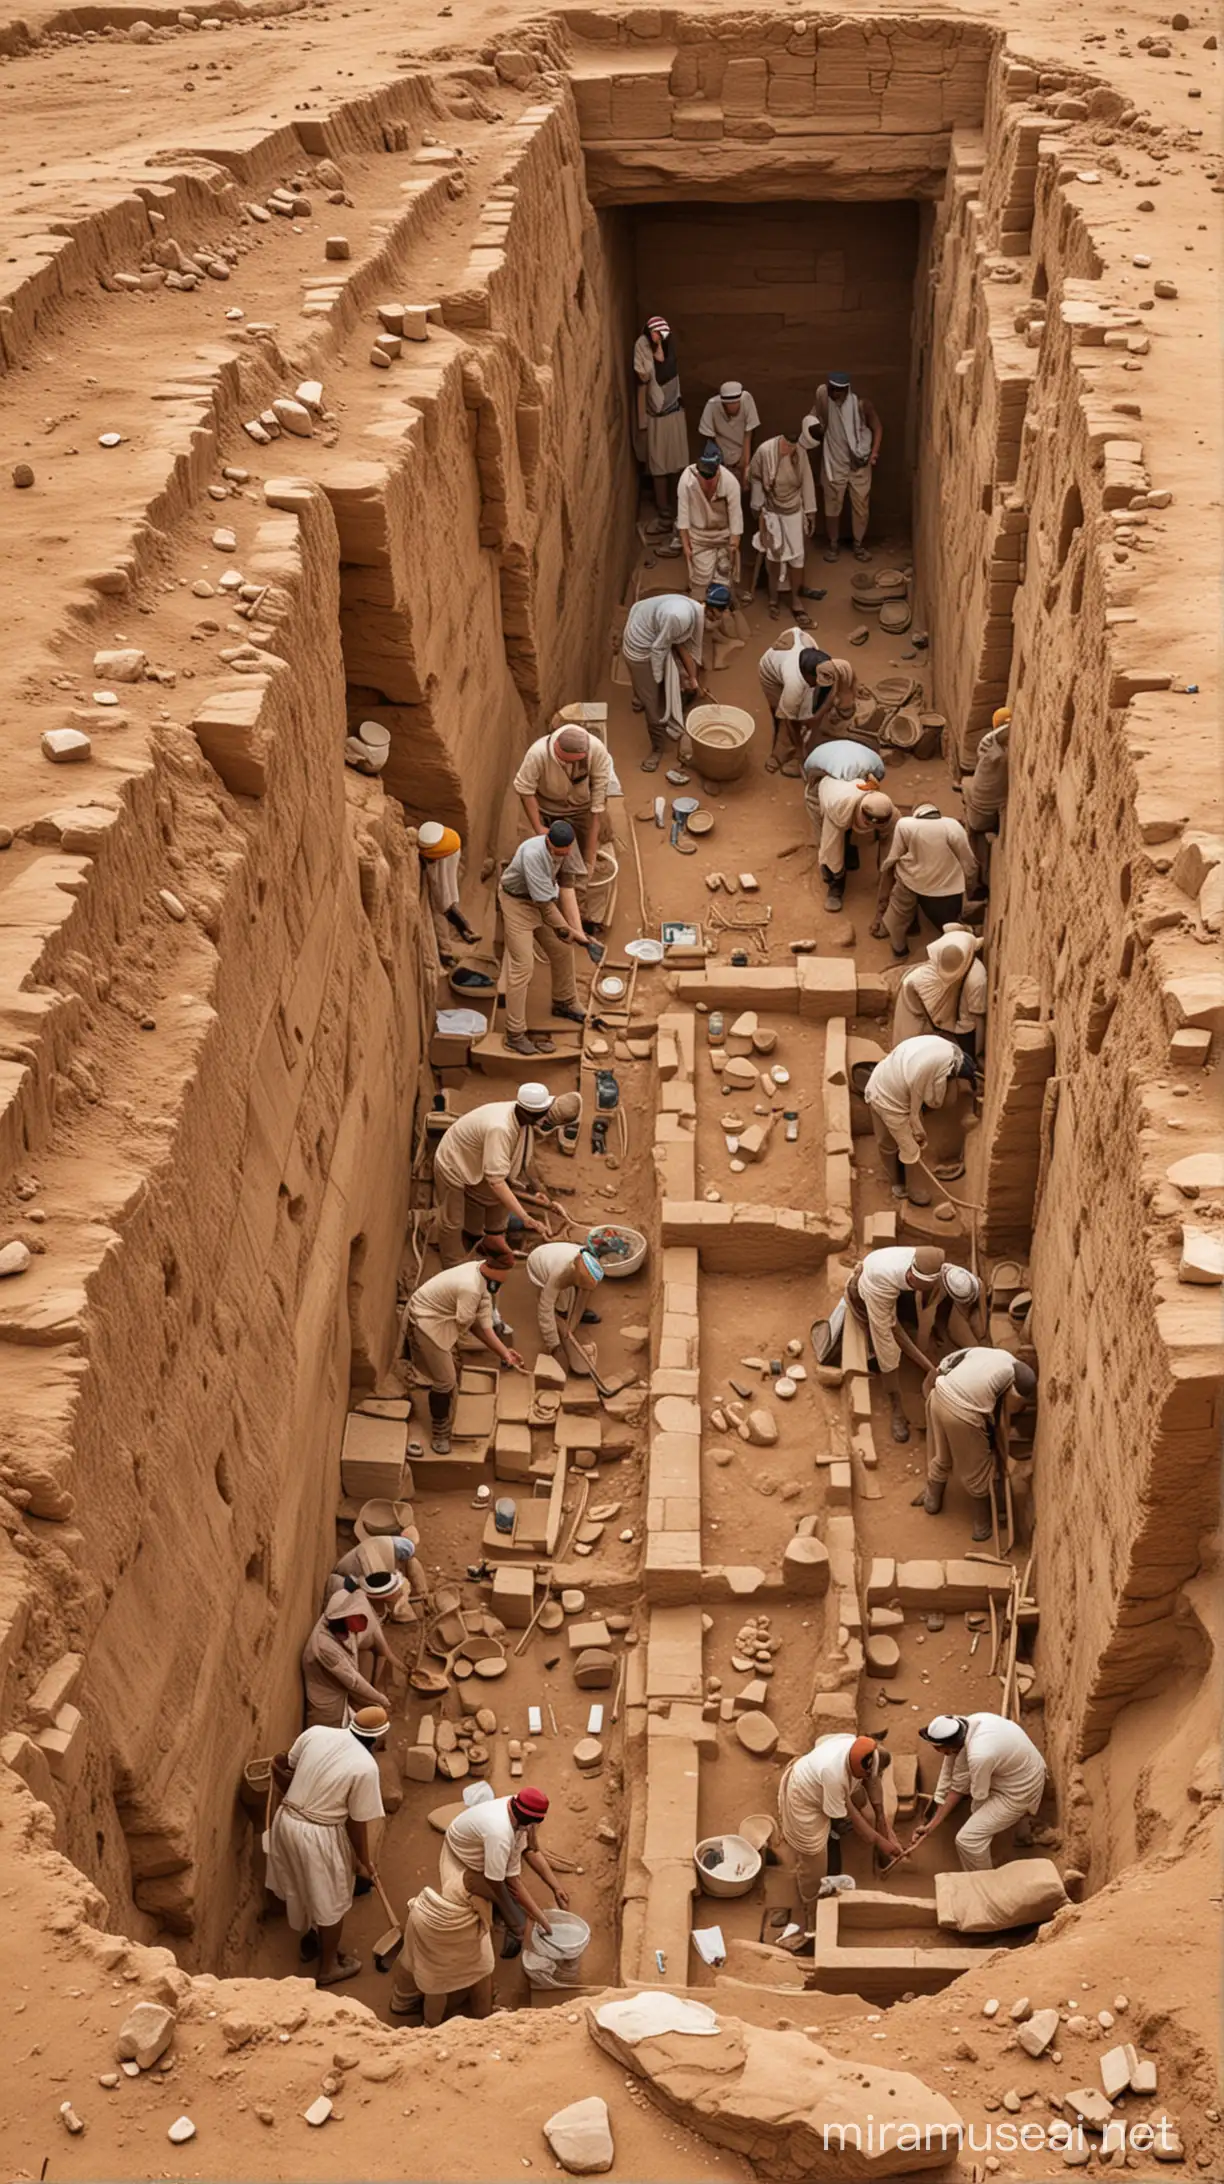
(388, 1945)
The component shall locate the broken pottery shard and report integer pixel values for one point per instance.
(145, 2034)
(580, 2137)
(1037, 2031)
(318, 2111)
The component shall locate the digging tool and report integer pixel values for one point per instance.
(388, 1945)
(536, 1617)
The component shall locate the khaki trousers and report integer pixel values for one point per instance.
(858, 485)
(524, 923)
(652, 696)
(903, 902)
(435, 1365)
(463, 1210)
(954, 1445)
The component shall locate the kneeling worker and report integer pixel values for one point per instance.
(991, 1761)
(494, 1841)
(824, 1792)
(561, 1273)
(458, 1301)
(319, 1841)
(448, 1953)
(971, 1397)
(915, 1076)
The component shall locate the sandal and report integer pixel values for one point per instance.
(650, 764)
(347, 1967)
(861, 554)
(773, 763)
(791, 770)
(807, 591)
(830, 553)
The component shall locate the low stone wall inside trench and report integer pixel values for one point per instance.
(217, 978)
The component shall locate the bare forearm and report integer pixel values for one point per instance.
(532, 809)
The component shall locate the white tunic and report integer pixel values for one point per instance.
(310, 1857)
(882, 1278)
(927, 1000)
(729, 431)
(996, 1759)
(489, 1141)
(450, 1303)
(970, 1382)
(484, 1838)
(780, 665)
(932, 856)
(915, 1075)
(713, 519)
(551, 1268)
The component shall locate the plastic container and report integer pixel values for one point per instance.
(721, 736)
(616, 1270)
(569, 1938)
(737, 1871)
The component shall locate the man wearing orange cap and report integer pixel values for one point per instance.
(440, 849)
(567, 774)
(985, 789)
(824, 1792)
(319, 1841)
(494, 1841)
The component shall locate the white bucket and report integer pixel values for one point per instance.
(600, 888)
(555, 1959)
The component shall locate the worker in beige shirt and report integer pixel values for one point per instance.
(330, 1668)
(928, 867)
(562, 1273)
(478, 1164)
(912, 1078)
(454, 1303)
(970, 1397)
(710, 522)
(386, 1555)
(567, 774)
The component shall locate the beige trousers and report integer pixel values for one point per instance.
(524, 923)
(954, 1445)
(858, 485)
(461, 1210)
(434, 1364)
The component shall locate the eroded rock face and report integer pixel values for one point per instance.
(791, 2107)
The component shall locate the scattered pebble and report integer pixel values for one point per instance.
(22, 475)
(70, 2119)
(110, 439)
(181, 2130)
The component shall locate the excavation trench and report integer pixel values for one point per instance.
(455, 564)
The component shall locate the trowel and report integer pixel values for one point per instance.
(388, 1945)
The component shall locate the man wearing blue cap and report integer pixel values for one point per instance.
(850, 434)
(710, 521)
(562, 1273)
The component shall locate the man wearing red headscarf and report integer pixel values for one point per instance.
(494, 1841)
(825, 1791)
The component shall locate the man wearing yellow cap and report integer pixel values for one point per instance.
(440, 849)
(319, 1840)
(822, 1794)
(566, 774)
(985, 789)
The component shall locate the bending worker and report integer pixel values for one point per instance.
(710, 521)
(330, 1668)
(494, 1841)
(447, 1955)
(566, 774)
(319, 1840)
(985, 789)
(991, 1761)
(454, 1303)
(876, 1293)
(945, 994)
(928, 867)
(391, 1554)
(969, 1402)
(440, 850)
(850, 812)
(538, 902)
(480, 1165)
(662, 648)
(915, 1076)
(801, 685)
(562, 1273)
(824, 1792)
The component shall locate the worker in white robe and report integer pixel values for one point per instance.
(440, 849)
(730, 418)
(850, 812)
(880, 1286)
(945, 994)
(991, 1761)
(796, 680)
(914, 1077)
(662, 431)
(969, 1404)
(834, 1787)
(783, 498)
(848, 429)
(441, 1311)
(710, 521)
(928, 868)
(319, 1840)
(563, 1274)
(662, 648)
(447, 1957)
(985, 789)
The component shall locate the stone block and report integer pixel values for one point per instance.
(840, 1485)
(594, 1632)
(828, 986)
(1116, 2067)
(54, 1690)
(1202, 1255)
(145, 2034)
(1190, 1049)
(832, 1712)
(744, 86)
(514, 1596)
(1037, 2032)
(677, 1414)
(805, 1567)
(881, 1580)
(228, 730)
(63, 1745)
(21, 1753)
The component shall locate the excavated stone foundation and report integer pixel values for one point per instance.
(220, 974)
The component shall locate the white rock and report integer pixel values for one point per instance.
(293, 417)
(145, 2034)
(318, 2111)
(226, 542)
(72, 2121)
(130, 2070)
(65, 745)
(171, 903)
(310, 394)
(415, 322)
(110, 439)
(14, 1258)
(991, 2008)
(255, 431)
(581, 2137)
(126, 666)
(1037, 2031)
(1202, 1258)
(181, 2130)
(105, 697)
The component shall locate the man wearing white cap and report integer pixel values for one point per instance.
(879, 1286)
(991, 1761)
(915, 1076)
(969, 1402)
(928, 867)
(561, 1273)
(319, 1841)
(661, 648)
(440, 850)
(730, 418)
(454, 1303)
(784, 500)
(985, 789)
(566, 774)
(824, 1793)
(710, 521)
(849, 812)
(850, 434)
(478, 1163)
